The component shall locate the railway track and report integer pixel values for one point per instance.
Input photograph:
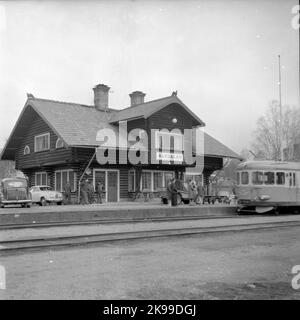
(84, 239)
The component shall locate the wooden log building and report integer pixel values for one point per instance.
(53, 142)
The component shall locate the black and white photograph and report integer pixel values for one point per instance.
(149, 151)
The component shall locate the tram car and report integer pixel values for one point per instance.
(264, 186)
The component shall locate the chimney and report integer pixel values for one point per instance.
(101, 96)
(137, 97)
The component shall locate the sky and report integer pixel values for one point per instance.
(221, 57)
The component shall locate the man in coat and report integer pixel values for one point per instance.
(99, 190)
(84, 192)
(67, 192)
(91, 192)
(173, 192)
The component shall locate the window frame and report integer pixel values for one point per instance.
(41, 179)
(248, 178)
(152, 179)
(58, 141)
(26, 148)
(39, 136)
(274, 178)
(284, 182)
(68, 178)
(172, 137)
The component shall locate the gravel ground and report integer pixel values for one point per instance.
(246, 265)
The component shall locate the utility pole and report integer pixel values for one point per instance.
(280, 108)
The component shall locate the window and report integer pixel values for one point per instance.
(245, 178)
(46, 189)
(168, 177)
(59, 144)
(41, 179)
(42, 142)
(131, 181)
(238, 178)
(290, 179)
(269, 177)
(157, 180)
(146, 180)
(172, 143)
(62, 177)
(257, 177)
(167, 141)
(294, 179)
(26, 150)
(280, 178)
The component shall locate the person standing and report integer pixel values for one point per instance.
(99, 190)
(67, 192)
(173, 193)
(84, 192)
(200, 193)
(91, 192)
(191, 191)
(169, 192)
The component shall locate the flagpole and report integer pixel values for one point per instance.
(280, 108)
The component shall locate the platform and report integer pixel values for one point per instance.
(105, 212)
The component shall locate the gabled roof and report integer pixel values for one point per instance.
(145, 110)
(77, 124)
(213, 147)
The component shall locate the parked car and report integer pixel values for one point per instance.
(14, 191)
(44, 195)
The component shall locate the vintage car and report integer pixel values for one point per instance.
(44, 195)
(14, 191)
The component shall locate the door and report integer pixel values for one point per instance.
(112, 186)
(100, 176)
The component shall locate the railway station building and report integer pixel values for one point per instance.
(54, 142)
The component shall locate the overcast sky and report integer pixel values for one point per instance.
(221, 56)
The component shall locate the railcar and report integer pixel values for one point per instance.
(264, 186)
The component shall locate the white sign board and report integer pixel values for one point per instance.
(167, 156)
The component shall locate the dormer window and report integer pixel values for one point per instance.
(42, 142)
(26, 150)
(59, 144)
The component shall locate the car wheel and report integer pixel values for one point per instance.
(59, 203)
(43, 202)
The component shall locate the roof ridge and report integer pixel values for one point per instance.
(138, 105)
(73, 103)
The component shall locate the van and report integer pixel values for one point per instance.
(14, 191)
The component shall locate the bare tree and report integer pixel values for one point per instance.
(7, 168)
(267, 141)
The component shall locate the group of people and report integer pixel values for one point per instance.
(195, 192)
(87, 192)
